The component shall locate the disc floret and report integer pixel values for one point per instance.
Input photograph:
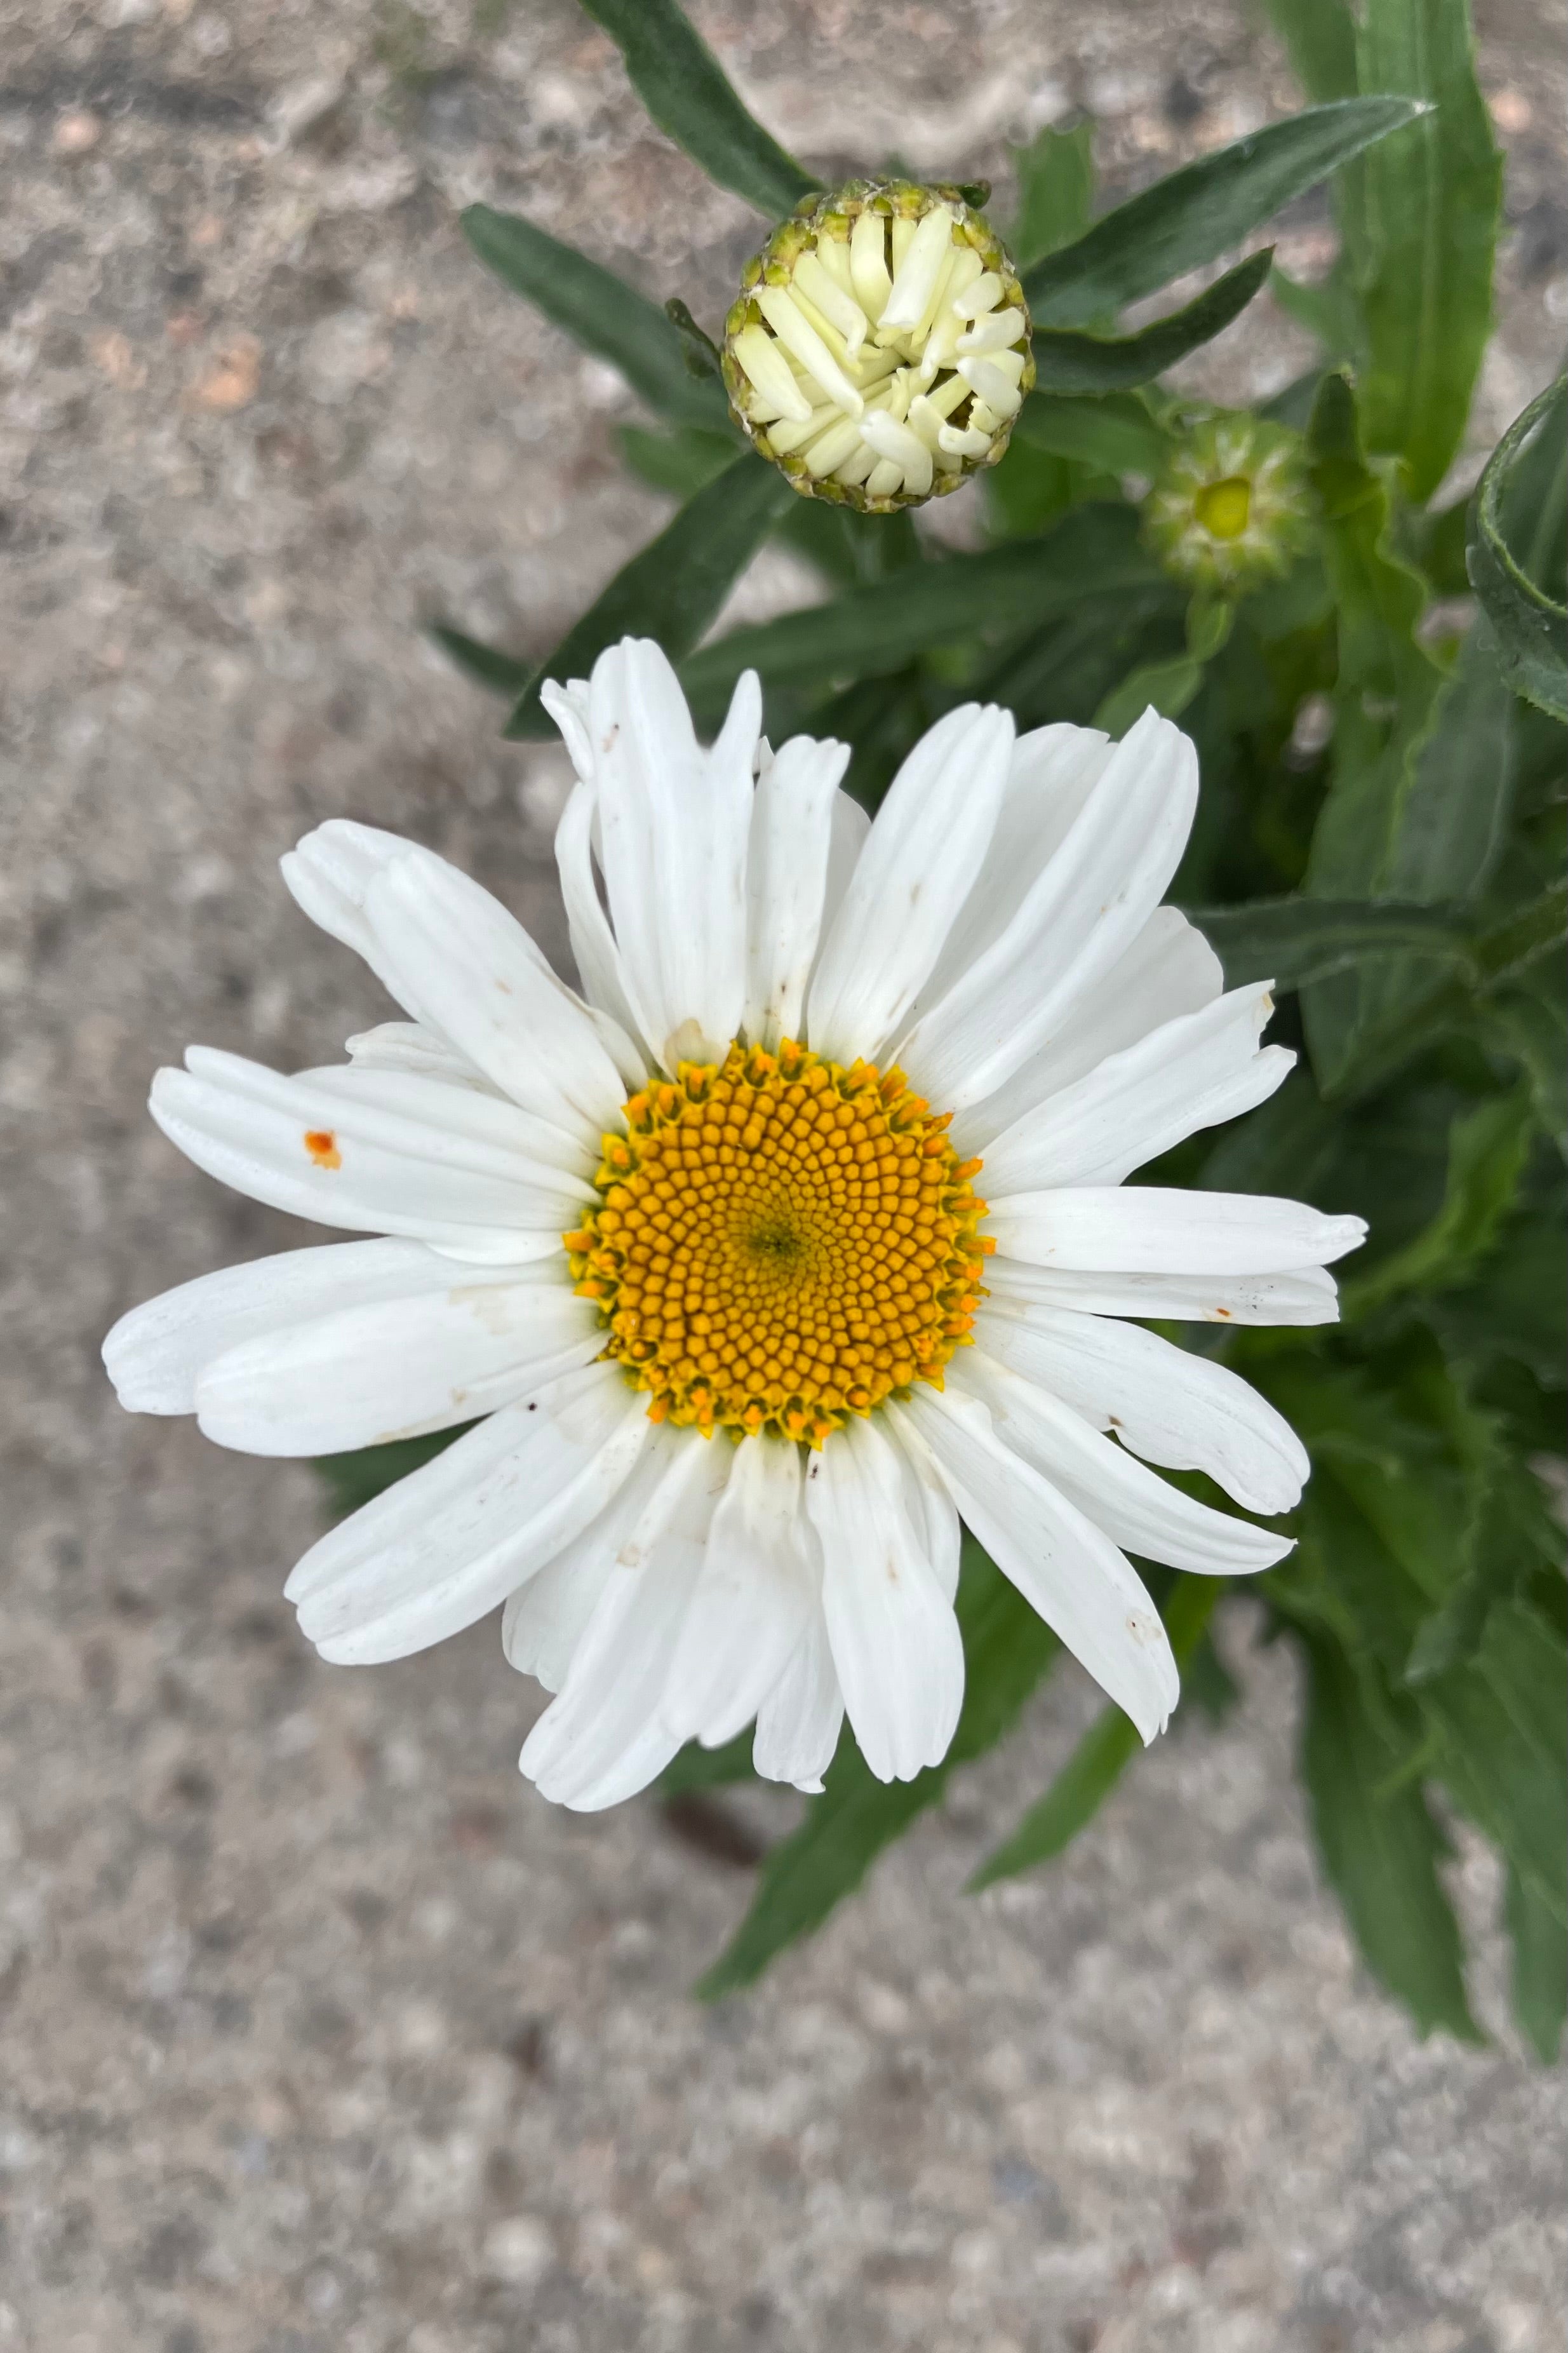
(782, 1242)
(879, 348)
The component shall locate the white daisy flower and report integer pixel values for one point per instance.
(701, 1251)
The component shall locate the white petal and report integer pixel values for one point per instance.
(545, 1620)
(1081, 914)
(928, 1502)
(363, 1376)
(1172, 1407)
(571, 707)
(786, 874)
(1066, 1567)
(1133, 1504)
(471, 1109)
(1051, 776)
(329, 872)
(475, 973)
(154, 1352)
(851, 831)
(924, 850)
(1307, 1296)
(598, 959)
(409, 1048)
(1169, 969)
(1155, 1230)
(675, 822)
(451, 1541)
(1190, 1073)
(894, 1637)
(302, 1148)
(799, 1723)
(756, 1591)
(602, 1739)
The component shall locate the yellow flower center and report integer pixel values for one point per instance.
(1224, 508)
(782, 1242)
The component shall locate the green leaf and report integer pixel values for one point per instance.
(1509, 948)
(1114, 434)
(1486, 1152)
(1532, 1028)
(1418, 214)
(1196, 215)
(1451, 825)
(695, 1767)
(1168, 687)
(1501, 1746)
(1320, 37)
(684, 88)
(1540, 1982)
(1056, 191)
(1066, 361)
(1007, 1651)
(1294, 941)
(682, 462)
(1092, 553)
(496, 672)
(1380, 1846)
(701, 352)
(671, 591)
(1326, 310)
(1529, 626)
(1101, 1757)
(355, 1479)
(599, 310)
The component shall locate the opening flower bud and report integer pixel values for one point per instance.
(878, 351)
(1232, 504)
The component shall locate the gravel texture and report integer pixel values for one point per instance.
(319, 2030)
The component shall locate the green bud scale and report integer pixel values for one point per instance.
(1232, 505)
(879, 350)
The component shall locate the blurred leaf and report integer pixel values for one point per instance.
(1528, 626)
(1056, 191)
(1451, 825)
(1115, 434)
(1380, 1846)
(1540, 1985)
(1207, 1683)
(1167, 687)
(1326, 310)
(1189, 219)
(355, 1479)
(850, 549)
(1439, 546)
(1487, 1153)
(1069, 362)
(1092, 553)
(684, 88)
(1501, 1751)
(682, 462)
(1418, 214)
(496, 672)
(1320, 37)
(695, 1767)
(1101, 1757)
(599, 311)
(673, 588)
(1294, 941)
(1509, 948)
(1007, 1651)
(1532, 1029)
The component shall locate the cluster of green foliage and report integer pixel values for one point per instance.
(1381, 830)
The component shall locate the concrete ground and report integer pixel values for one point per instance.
(319, 2030)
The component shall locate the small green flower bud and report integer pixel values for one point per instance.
(1231, 506)
(878, 351)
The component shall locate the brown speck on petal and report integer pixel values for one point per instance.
(322, 1147)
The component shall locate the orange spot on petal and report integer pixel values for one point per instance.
(322, 1147)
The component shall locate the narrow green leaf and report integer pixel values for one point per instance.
(695, 1767)
(1486, 1152)
(1055, 192)
(1381, 1849)
(496, 672)
(1101, 1757)
(1115, 434)
(599, 311)
(1199, 212)
(1418, 214)
(1532, 1026)
(1006, 1650)
(1528, 626)
(1093, 553)
(1167, 687)
(701, 352)
(682, 462)
(671, 591)
(1320, 37)
(1294, 941)
(1508, 949)
(1502, 1746)
(684, 88)
(1539, 1979)
(358, 1478)
(1451, 824)
(1066, 361)
(1326, 310)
